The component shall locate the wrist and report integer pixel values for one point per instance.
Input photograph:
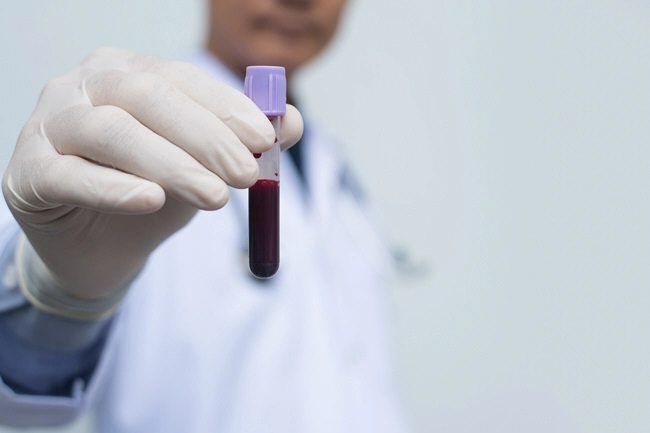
(42, 290)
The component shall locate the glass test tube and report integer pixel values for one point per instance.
(266, 86)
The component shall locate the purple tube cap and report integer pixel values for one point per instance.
(267, 87)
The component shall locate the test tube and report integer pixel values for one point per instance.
(267, 87)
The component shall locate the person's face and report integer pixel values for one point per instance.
(286, 33)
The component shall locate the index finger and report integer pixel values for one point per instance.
(238, 112)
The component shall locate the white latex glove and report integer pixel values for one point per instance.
(119, 154)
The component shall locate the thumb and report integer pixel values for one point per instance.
(291, 127)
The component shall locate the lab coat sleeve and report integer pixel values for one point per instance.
(45, 360)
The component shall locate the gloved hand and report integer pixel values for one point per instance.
(119, 154)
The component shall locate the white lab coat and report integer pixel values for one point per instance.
(202, 346)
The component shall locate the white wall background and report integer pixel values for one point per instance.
(507, 146)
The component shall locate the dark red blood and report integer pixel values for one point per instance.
(257, 155)
(264, 228)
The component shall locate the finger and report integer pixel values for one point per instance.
(72, 181)
(110, 136)
(291, 127)
(164, 109)
(237, 111)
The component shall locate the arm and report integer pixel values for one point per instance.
(46, 360)
(119, 154)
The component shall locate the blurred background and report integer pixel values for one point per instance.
(506, 146)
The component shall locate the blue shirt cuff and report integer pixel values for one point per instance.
(42, 354)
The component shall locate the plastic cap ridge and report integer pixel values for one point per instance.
(267, 87)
